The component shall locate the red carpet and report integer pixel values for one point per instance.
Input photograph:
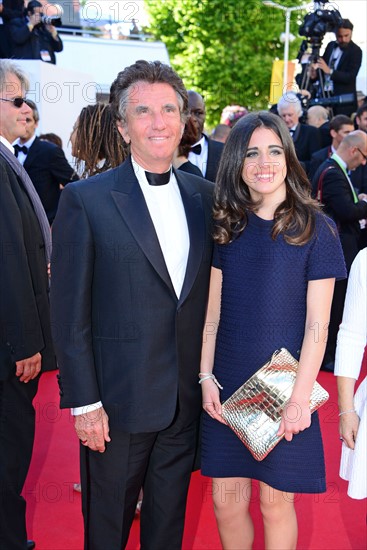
(328, 521)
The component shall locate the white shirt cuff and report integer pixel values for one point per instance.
(86, 408)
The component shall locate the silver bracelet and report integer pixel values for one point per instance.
(346, 412)
(207, 376)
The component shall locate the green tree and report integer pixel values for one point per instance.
(223, 49)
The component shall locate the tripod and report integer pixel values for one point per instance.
(312, 79)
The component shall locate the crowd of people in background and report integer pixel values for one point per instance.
(289, 184)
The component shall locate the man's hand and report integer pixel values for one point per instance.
(93, 430)
(348, 428)
(27, 369)
(53, 31)
(321, 64)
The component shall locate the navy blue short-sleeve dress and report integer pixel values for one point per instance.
(263, 308)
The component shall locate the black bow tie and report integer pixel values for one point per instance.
(291, 131)
(20, 148)
(196, 149)
(158, 179)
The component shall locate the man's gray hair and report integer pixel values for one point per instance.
(287, 99)
(8, 67)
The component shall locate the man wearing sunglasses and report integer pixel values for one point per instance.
(25, 332)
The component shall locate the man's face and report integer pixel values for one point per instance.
(289, 116)
(340, 134)
(153, 125)
(30, 128)
(362, 122)
(197, 111)
(343, 37)
(13, 120)
(358, 155)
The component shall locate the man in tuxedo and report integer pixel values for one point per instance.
(340, 126)
(25, 332)
(45, 164)
(129, 290)
(335, 191)
(306, 138)
(206, 153)
(340, 64)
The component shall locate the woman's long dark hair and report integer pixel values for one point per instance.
(294, 217)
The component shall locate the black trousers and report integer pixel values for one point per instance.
(161, 463)
(17, 425)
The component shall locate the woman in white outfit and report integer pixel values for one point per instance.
(352, 338)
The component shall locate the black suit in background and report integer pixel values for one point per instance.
(215, 150)
(11, 10)
(24, 331)
(47, 167)
(338, 201)
(345, 75)
(135, 346)
(325, 136)
(29, 44)
(306, 141)
(317, 159)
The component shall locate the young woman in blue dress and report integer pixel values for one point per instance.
(276, 260)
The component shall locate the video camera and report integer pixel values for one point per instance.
(316, 25)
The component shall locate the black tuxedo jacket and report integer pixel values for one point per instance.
(47, 167)
(24, 308)
(337, 198)
(121, 335)
(306, 142)
(215, 149)
(317, 159)
(344, 77)
(325, 136)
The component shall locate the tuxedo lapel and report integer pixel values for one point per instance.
(195, 217)
(131, 205)
(31, 154)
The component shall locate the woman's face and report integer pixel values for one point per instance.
(74, 151)
(264, 168)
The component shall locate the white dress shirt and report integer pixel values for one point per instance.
(21, 155)
(167, 212)
(201, 161)
(8, 145)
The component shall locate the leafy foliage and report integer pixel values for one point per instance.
(223, 49)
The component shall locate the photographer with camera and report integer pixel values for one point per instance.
(340, 65)
(33, 36)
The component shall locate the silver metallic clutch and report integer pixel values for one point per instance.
(254, 410)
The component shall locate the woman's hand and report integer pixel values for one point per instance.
(211, 400)
(348, 428)
(296, 417)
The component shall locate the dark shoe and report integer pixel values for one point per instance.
(31, 544)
